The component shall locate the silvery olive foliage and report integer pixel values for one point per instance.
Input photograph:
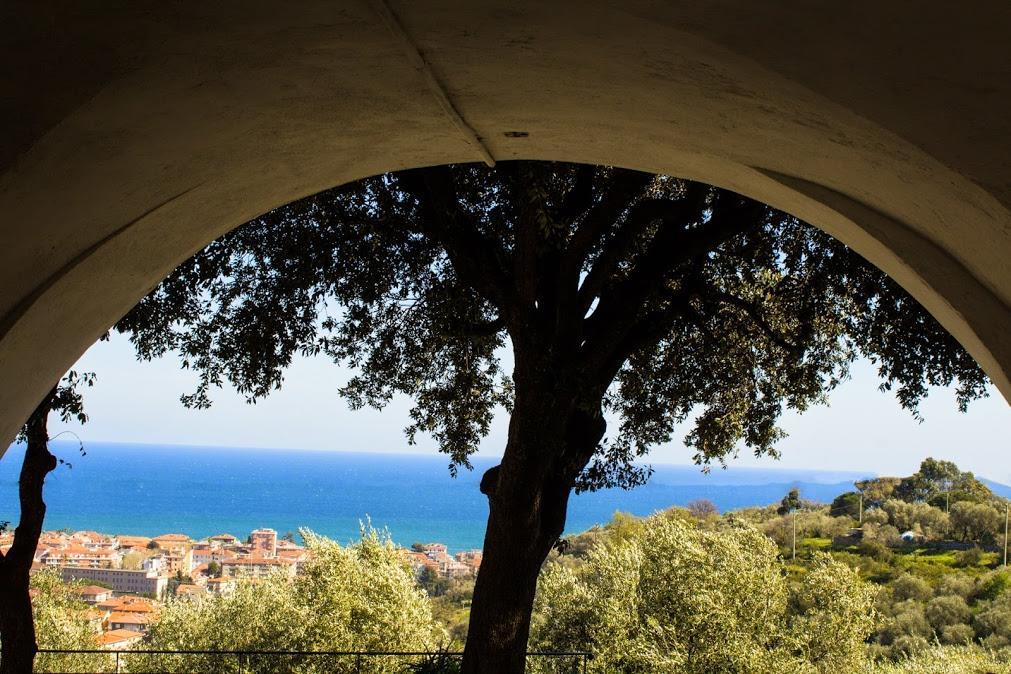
(667, 301)
(674, 596)
(943, 660)
(62, 622)
(362, 597)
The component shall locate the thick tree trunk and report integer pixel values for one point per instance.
(17, 628)
(517, 541)
(528, 496)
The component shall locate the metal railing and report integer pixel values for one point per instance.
(345, 662)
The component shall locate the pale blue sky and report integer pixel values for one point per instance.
(862, 429)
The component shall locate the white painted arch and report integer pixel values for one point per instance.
(136, 132)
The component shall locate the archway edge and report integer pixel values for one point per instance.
(197, 128)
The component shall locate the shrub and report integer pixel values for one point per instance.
(909, 645)
(995, 621)
(992, 586)
(957, 584)
(876, 550)
(908, 620)
(885, 534)
(971, 557)
(440, 662)
(908, 586)
(674, 597)
(875, 516)
(957, 635)
(932, 522)
(944, 611)
(357, 598)
(945, 660)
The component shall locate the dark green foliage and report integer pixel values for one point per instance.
(440, 662)
(434, 584)
(659, 297)
(992, 586)
(790, 502)
(877, 490)
(66, 399)
(876, 550)
(941, 483)
(846, 505)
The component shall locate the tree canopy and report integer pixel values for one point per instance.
(679, 597)
(361, 597)
(669, 300)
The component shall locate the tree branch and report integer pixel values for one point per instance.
(38, 463)
(619, 246)
(483, 329)
(618, 311)
(580, 197)
(625, 188)
(755, 313)
(651, 327)
(477, 260)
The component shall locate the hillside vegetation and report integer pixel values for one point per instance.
(899, 576)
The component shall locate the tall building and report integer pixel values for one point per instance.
(264, 542)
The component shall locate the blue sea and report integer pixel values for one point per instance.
(201, 491)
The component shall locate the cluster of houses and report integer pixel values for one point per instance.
(123, 578)
(435, 558)
(120, 621)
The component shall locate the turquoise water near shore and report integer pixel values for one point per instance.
(201, 491)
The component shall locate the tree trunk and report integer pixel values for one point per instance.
(517, 541)
(528, 496)
(17, 627)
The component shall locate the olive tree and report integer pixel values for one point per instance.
(361, 597)
(652, 300)
(62, 622)
(17, 627)
(676, 597)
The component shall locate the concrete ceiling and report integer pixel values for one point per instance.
(136, 132)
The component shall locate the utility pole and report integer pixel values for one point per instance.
(1006, 507)
(795, 538)
(861, 520)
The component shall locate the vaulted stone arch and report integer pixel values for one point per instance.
(136, 132)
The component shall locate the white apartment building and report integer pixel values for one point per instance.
(122, 581)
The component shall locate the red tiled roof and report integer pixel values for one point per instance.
(128, 605)
(118, 636)
(129, 617)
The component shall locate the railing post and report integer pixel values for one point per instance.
(358, 663)
(118, 670)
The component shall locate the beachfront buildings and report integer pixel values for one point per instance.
(436, 559)
(256, 566)
(121, 581)
(263, 542)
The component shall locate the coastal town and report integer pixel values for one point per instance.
(126, 579)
